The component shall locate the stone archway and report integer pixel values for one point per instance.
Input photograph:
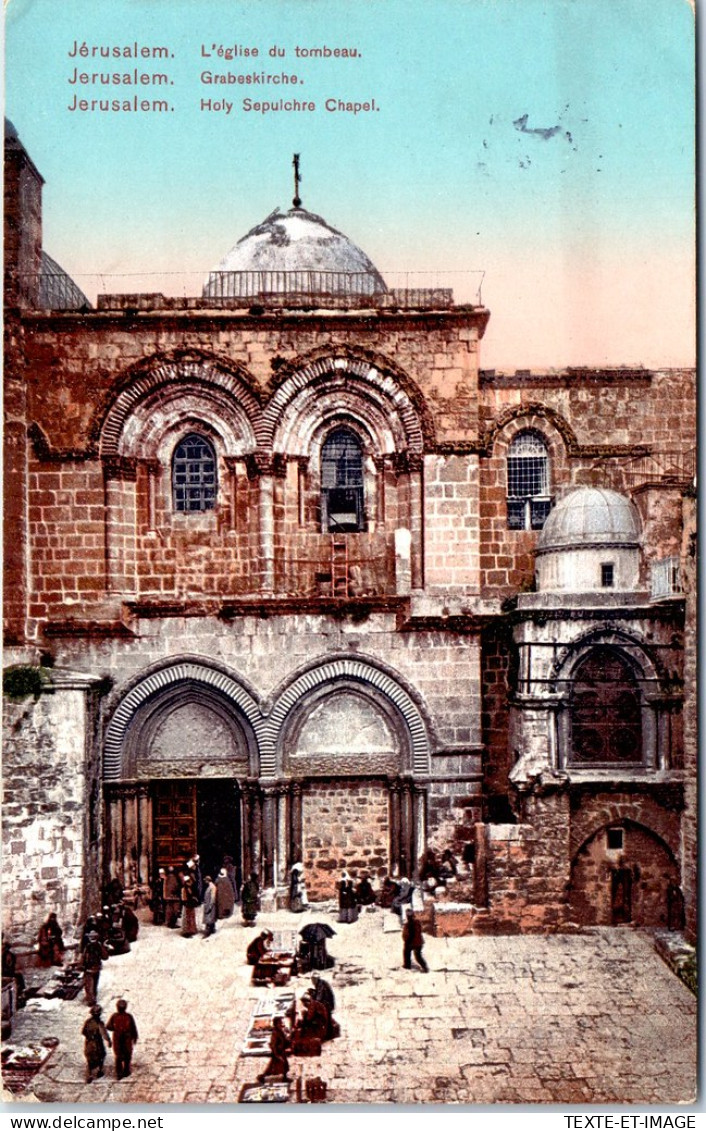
(350, 740)
(179, 748)
(623, 873)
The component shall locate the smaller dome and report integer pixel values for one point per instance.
(591, 517)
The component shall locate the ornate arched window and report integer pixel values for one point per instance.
(194, 475)
(342, 495)
(528, 498)
(606, 725)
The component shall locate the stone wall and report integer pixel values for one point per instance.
(51, 807)
(527, 868)
(689, 828)
(346, 825)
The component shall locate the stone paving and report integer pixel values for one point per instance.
(585, 1018)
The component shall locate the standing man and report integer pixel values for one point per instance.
(210, 908)
(122, 1026)
(92, 961)
(95, 1039)
(413, 940)
(172, 898)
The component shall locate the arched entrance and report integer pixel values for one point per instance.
(353, 745)
(179, 749)
(622, 874)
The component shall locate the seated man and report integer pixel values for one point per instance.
(321, 992)
(314, 1021)
(364, 892)
(258, 948)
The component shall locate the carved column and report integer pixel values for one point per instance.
(283, 863)
(419, 817)
(295, 828)
(395, 824)
(255, 831)
(144, 830)
(416, 519)
(406, 829)
(246, 802)
(115, 824)
(268, 837)
(130, 835)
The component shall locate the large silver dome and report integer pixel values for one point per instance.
(591, 516)
(294, 252)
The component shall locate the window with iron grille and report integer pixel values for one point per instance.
(342, 483)
(528, 499)
(194, 480)
(606, 720)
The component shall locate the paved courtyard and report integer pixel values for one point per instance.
(575, 1019)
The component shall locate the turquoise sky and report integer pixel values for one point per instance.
(549, 144)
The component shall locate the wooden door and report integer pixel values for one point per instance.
(174, 822)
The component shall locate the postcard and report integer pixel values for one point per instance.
(349, 680)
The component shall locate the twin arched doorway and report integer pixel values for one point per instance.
(330, 775)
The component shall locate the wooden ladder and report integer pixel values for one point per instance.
(339, 566)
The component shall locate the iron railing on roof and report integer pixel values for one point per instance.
(255, 284)
(676, 467)
(159, 290)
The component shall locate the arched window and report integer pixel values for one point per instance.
(342, 500)
(606, 724)
(194, 478)
(528, 499)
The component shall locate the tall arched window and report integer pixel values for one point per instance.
(528, 499)
(194, 476)
(606, 724)
(342, 496)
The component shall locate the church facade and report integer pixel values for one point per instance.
(290, 576)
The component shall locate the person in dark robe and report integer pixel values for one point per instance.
(225, 895)
(314, 1021)
(116, 942)
(388, 892)
(122, 1026)
(172, 898)
(9, 970)
(189, 903)
(250, 899)
(298, 899)
(130, 924)
(232, 875)
(210, 908)
(449, 865)
(364, 893)
(321, 991)
(278, 1064)
(347, 905)
(94, 953)
(51, 942)
(197, 877)
(258, 948)
(157, 902)
(91, 924)
(429, 869)
(104, 923)
(95, 1038)
(413, 941)
(114, 892)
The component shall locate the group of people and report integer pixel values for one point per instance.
(307, 1032)
(96, 1035)
(177, 893)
